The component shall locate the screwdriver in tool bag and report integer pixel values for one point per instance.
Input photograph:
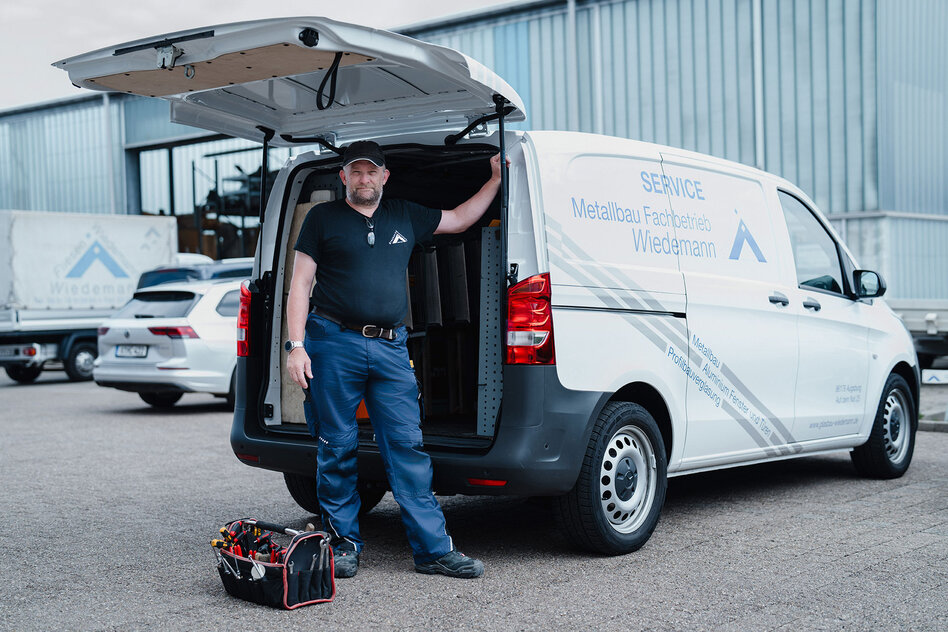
(229, 535)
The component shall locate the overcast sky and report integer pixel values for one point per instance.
(35, 33)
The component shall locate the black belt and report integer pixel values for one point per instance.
(369, 331)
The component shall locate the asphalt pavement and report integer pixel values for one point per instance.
(108, 506)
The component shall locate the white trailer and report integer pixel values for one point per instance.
(927, 319)
(61, 275)
(909, 250)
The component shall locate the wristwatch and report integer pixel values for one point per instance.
(292, 344)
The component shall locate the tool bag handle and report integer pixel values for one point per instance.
(269, 526)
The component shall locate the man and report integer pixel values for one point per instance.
(354, 348)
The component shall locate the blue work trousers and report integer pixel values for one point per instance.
(348, 367)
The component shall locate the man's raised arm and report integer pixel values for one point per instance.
(467, 213)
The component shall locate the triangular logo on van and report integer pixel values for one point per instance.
(397, 238)
(744, 237)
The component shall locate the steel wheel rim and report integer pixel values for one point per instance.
(85, 362)
(896, 426)
(627, 479)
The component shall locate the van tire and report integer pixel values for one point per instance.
(888, 452)
(161, 400)
(303, 490)
(24, 374)
(625, 440)
(79, 362)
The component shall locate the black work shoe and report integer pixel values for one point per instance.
(345, 560)
(453, 564)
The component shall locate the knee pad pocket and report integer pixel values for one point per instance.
(412, 469)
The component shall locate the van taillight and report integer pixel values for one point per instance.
(530, 322)
(243, 321)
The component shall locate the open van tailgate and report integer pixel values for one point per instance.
(277, 74)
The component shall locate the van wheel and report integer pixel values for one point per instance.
(80, 362)
(160, 400)
(888, 452)
(24, 374)
(618, 498)
(303, 490)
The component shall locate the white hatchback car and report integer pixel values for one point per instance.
(172, 339)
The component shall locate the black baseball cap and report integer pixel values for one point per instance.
(363, 150)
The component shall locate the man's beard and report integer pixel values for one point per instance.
(362, 197)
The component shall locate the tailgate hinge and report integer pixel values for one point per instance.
(478, 127)
(167, 56)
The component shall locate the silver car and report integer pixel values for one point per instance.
(172, 339)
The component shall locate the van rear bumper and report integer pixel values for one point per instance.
(541, 438)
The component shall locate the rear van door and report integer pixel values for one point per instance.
(742, 331)
(290, 81)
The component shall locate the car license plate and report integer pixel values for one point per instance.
(131, 351)
(7, 353)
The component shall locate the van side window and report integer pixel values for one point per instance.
(814, 251)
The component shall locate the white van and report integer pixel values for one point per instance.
(624, 312)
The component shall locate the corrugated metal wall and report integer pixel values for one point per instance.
(910, 252)
(918, 249)
(819, 100)
(66, 158)
(147, 122)
(913, 105)
(681, 73)
(846, 98)
(849, 102)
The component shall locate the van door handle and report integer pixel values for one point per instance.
(812, 304)
(778, 298)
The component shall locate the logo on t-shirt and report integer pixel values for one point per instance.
(397, 238)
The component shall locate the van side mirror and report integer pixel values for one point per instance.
(868, 284)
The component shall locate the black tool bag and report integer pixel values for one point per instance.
(254, 567)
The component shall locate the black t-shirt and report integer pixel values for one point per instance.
(358, 283)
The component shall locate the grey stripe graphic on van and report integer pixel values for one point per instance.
(648, 325)
(751, 430)
(643, 324)
(556, 237)
(772, 418)
(672, 327)
(637, 303)
(639, 321)
(650, 301)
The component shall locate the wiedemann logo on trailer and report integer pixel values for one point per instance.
(96, 253)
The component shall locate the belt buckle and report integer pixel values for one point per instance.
(367, 328)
